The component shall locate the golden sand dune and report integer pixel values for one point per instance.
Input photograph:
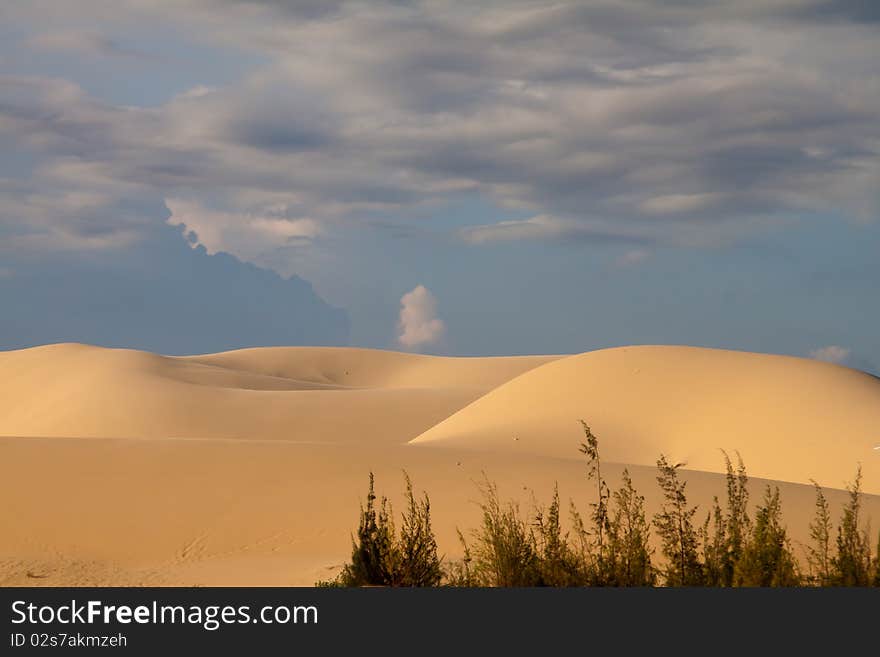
(791, 419)
(247, 467)
(302, 394)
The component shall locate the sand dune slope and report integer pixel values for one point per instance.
(303, 394)
(242, 468)
(791, 419)
(274, 513)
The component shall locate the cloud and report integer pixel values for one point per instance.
(831, 354)
(677, 203)
(542, 227)
(654, 122)
(162, 296)
(250, 236)
(845, 356)
(633, 257)
(419, 325)
(88, 43)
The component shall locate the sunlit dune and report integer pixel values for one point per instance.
(247, 467)
(791, 419)
(302, 394)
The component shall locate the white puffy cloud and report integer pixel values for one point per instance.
(419, 325)
(831, 354)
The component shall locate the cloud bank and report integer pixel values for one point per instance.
(419, 325)
(644, 121)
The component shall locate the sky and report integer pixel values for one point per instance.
(468, 178)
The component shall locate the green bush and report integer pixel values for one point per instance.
(819, 558)
(505, 551)
(767, 558)
(675, 526)
(380, 558)
(628, 557)
(613, 547)
(851, 566)
(559, 564)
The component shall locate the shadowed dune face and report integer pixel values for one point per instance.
(246, 467)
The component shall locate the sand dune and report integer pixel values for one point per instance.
(246, 467)
(791, 419)
(308, 394)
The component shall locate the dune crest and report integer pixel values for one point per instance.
(791, 419)
(273, 393)
(247, 467)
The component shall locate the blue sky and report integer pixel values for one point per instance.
(460, 178)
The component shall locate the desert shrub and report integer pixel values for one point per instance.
(418, 560)
(767, 558)
(603, 565)
(380, 558)
(851, 566)
(559, 564)
(613, 547)
(715, 546)
(628, 558)
(372, 551)
(505, 551)
(819, 548)
(460, 572)
(616, 552)
(723, 547)
(876, 579)
(581, 546)
(737, 523)
(674, 524)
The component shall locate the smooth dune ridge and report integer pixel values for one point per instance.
(247, 467)
(299, 394)
(791, 419)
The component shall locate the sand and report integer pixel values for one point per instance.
(247, 467)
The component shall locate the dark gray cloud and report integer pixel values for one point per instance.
(650, 122)
(192, 303)
(857, 11)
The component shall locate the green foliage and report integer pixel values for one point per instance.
(505, 551)
(715, 546)
(380, 558)
(461, 572)
(616, 552)
(767, 558)
(723, 547)
(628, 558)
(876, 580)
(599, 516)
(581, 546)
(558, 563)
(418, 563)
(372, 558)
(819, 549)
(852, 564)
(675, 526)
(737, 523)
(613, 547)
